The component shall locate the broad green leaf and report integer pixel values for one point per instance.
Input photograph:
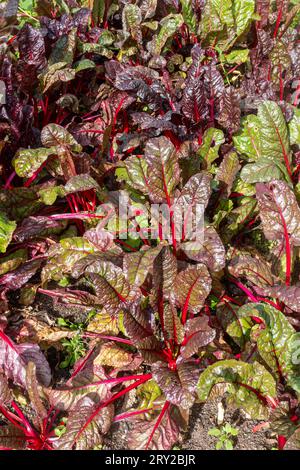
(275, 143)
(243, 11)
(27, 161)
(7, 228)
(244, 383)
(189, 16)
(212, 141)
(169, 25)
(248, 140)
(84, 65)
(134, 171)
(277, 343)
(216, 15)
(238, 56)
(262, 171)
(64, 255)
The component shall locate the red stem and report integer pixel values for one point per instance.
(159, 420)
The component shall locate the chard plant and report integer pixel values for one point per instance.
(184, 104)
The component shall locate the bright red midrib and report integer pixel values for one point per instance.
(108, 402)
(278, 21)
(187, 301)
(159, 420)
(108, 381)
(287, 249)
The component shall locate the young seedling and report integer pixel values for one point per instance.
(226, 436)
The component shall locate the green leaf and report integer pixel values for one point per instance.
(64, 49)
(243, 11)
(169, 25)
(228, 445)
(131, 19)
(84, 65)
(134, 171)
(12, 261)
(27, 161)
(214, 432)
(215, 16)
(98, 11)
(212, 141)
(64, 255)
(277, 342)
(238, 56)
(294, 128)
(189, 16)
(7, 228)
(248, 140)
(275, 143)
(262, 171)
(244, 383)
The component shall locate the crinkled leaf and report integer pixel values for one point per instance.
(194, 100)
(85, 427)
(197, 335)
(138, 265)
(230, 112)
(5, 392)
(28, 161)
(248, 140)
(249, 385)
(178, 385)
(274, 133)
(227, 172)
(192, 286)
(279, 211)
(169, 25)
(173, 327)
(211, 252)
(276, 343)
(55, 135)
(253, 268)
(163, 169)
(110, 285)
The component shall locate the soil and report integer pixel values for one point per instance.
(203, 417)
